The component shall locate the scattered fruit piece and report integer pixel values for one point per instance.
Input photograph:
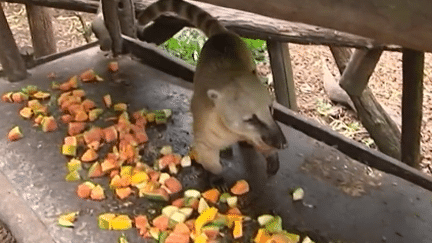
(68, 219)
(240, 187)
(15, 134)
(95, 170)
(122, 239)
(88, 75)
(104, 221)
(97, 193)
(211, 195)
(120, 107)
(113, 66)
(107, 100)
(124, 192)
(74, 164)
(73, 176)
(173, 185)
(89, 156)
(49, 124)
(298, 194)
(84, 190)
(26, 112)
(40, 95)
(75, 128)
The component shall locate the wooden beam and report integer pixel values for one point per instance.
(41, 30)
(283, 80)
(353, 149)
(246, 24)
(159, 59)
(10, 58)
(412, 103)
(162, 29)
(402, 22)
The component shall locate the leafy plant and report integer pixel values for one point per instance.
(188, 42)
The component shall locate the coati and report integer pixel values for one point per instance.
(229, 103)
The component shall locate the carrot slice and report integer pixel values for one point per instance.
(240, 187)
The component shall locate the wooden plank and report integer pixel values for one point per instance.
(403, 22)
(246, 24)
(351, 148)
(10, 58)
(412, 102)
(283, 80)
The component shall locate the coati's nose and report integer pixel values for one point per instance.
(275, 138)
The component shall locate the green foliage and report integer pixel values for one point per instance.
(186, 45)
(188, 42)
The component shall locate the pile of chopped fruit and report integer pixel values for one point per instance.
(196, 216)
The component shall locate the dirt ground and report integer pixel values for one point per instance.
(307, 61)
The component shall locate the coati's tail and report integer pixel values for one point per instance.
(195, 15)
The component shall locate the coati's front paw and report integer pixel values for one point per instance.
(272, 164)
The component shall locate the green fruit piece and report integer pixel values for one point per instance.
(157, 195)
(274, 225)
(73, 176)
(224, 196)
(298, 194)
(264, 219)
(122, 239)
(162, 236)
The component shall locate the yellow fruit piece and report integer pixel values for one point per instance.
(202, 238)
(208, 215)
(74, 164)
(139, 177)
(262, 236)
(104, 220)
(121, 222)
(238, 229)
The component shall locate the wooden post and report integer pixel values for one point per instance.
(126, 12)
(41, 30)
(10, 58)
(280, 62)
(412, 101)
(110, 16)
(377, 122)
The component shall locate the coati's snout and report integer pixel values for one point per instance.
(274, 137)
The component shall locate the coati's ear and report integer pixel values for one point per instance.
(213, 94)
